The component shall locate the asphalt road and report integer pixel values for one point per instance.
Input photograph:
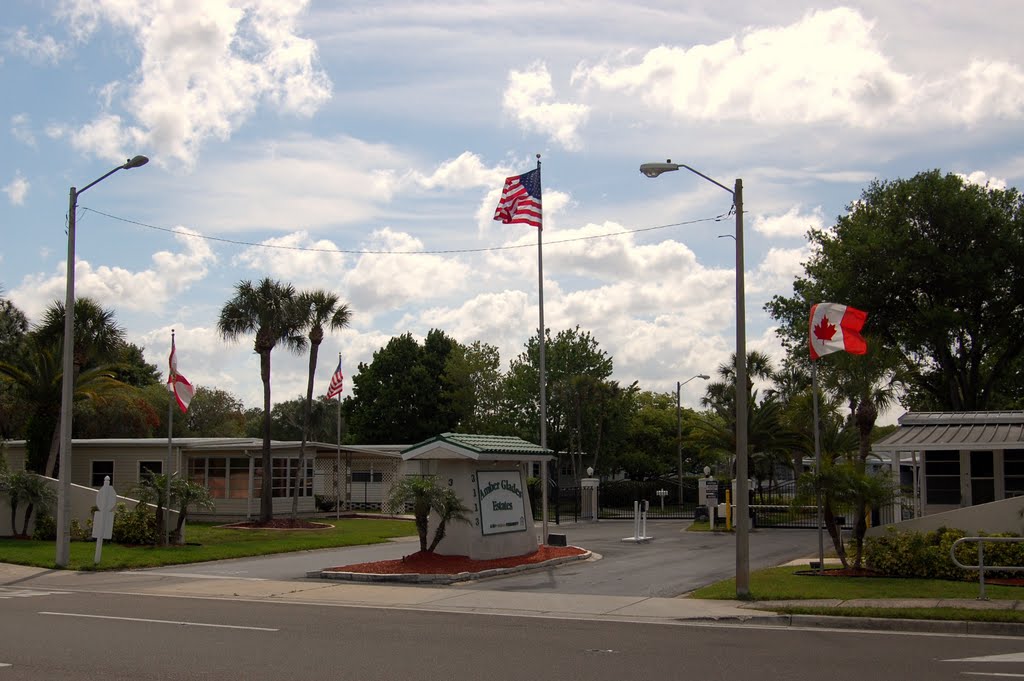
(673, 562)
(85, 636)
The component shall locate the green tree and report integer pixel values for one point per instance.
(269, 311)
(570, 353)
(26, 488)
(320, 309)
(400, 395)
(211, 413)
(935, 262)
(131, 367)
(427, 494)
(473, 381)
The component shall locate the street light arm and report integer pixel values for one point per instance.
(655, 169)
(133, 162)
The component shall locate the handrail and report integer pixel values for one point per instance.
(980, 567)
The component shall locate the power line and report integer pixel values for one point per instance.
(717, 218)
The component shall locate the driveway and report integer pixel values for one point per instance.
(673, 562)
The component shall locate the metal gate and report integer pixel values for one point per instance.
(358, 484)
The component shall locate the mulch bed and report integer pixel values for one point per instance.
(434, 564)
(279, 524)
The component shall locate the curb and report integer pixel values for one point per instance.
(418, 578)
(912, 625)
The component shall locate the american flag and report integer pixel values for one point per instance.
(520, 200)
(177, 384)
(337, 380)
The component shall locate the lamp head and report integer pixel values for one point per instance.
(135, 162)
(655, 169)
(704, 376)
(590, 471)
(707, 470)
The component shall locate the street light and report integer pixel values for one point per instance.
(742, 502)
(67, 379)
(679, 431)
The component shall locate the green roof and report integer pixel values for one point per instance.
(486, 444)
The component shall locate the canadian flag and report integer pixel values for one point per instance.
(836, 327)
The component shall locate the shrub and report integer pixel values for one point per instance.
(135, 527)
(926, 554)
(46, 527)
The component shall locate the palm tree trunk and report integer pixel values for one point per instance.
(51, 460)
(266, 491)
(314, 349)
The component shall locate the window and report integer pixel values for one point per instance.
(150, 467)
(1013, 472)
(942, 477)
(238, 478)
(367, 476)
(101, 469)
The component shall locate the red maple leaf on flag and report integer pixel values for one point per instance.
(824, 330)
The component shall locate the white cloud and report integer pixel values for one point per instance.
(20, 129)
(526, 98)
(16, 190)
(296, 258)
(170, 275)
(204, 70)
(385, 282)
(43, 50)
(983, 179)
(792, 223)
(465, 171)
(830, 66)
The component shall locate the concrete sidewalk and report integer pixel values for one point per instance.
(638, 609)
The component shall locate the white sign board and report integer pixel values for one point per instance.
(502, 508)
(711, 489)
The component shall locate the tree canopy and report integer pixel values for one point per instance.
(936, 262)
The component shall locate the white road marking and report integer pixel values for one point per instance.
(1009, 657)
(23, 593)
(141, 619)
(4, 664)
(1016, 676)
(193, 575)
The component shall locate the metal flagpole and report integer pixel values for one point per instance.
(817, 466)
(543, 374)
(337, 462)
(170, 445)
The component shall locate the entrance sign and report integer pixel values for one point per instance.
(103, 518)
(501, 501)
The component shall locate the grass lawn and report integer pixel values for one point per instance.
(208, 542)
(783, 583)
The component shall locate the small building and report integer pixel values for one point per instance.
(357, 477)
(489, 474)
(958, 459)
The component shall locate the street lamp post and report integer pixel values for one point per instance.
(742, 502)
(67, 379)
(679, 431)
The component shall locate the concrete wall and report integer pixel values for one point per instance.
(998, 516)
(82, 500)
(467, 539)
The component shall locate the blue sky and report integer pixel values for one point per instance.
(314, 132)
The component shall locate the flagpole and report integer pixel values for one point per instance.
(817, 465)
(170, 446)
(337, 462)
(543, 376)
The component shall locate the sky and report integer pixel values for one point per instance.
(361, 147)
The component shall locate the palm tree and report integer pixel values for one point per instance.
(36, 374)
(869, 384)
(426, 495)
(321, 308)
(98, 340)
(269, 311)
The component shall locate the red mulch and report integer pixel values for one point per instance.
(280, 524)
(434, 564)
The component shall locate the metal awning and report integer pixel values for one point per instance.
(970, 430)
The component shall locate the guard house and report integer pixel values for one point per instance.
(959, 459)
(489, 474)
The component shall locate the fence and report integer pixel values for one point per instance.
(360, 484)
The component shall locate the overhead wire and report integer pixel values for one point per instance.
(238, 242)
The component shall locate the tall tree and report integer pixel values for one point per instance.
(320, 308)
(571, 353)
(400, 395)
(473, 384)
(936, 263)
(269, 311)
